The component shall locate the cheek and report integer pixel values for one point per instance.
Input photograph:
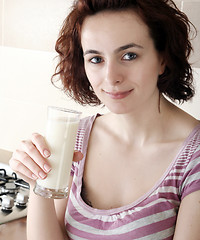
(89, 75)
(93, 77)
(152, 71)
(146, 78)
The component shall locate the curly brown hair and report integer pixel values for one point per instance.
(169, 29)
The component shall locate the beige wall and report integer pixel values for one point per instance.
(25, 93)
(33, 24)
(192, 10)
(1, 21)
(28, 30)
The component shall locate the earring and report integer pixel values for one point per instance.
(90, 88)
(159, 98)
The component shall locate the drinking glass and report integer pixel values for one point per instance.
(60, 135)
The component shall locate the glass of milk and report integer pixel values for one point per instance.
(60, 135)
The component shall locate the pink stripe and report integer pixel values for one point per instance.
(168, 238)
(171, 183)
(152, 228)
(194, 186)
(195, 169)
(159, 195)
(195, 155)
(74, 188)
(74, 169)
(90, 236)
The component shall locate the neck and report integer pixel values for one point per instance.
(142, 127)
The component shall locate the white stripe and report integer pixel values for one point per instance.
(182, 165)
(193, 177)
(72, 236)
(189, 180)
(192, 164)
(159, 235)
(179, 177)
(124, 228)
(176, 171)
(165, 189)
(75, 180)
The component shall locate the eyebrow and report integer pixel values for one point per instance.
(130, 45)
(127, 46)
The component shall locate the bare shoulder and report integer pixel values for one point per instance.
(187, 226)
(101, 125)
(182, 123)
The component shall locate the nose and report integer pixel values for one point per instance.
(113, 73)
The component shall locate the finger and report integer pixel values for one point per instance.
(77, 156)
(24, 160)
(30, 153)
(39, 141)
(23, 163)
(22, 170)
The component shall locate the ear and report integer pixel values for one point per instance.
(162, 65)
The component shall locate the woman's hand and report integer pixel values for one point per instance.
(29, 160)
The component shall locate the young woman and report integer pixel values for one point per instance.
(139, 177)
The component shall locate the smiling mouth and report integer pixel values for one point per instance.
(118, 95)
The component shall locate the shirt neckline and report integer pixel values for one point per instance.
(144, 196)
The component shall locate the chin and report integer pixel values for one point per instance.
(118, 109)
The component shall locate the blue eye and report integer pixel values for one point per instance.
(129, 56)
(96, 60)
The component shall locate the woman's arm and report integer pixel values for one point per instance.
(53, 214)
(188, 222)
(42, 221)
(45, 218)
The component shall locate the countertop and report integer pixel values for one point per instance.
(14, 230)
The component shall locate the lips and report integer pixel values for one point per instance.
(118, 95)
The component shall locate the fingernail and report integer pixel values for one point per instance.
(34, 177)
(46, 153)
(42, 175)
(47, 168)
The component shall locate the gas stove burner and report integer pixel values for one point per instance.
(21, 200)
(21, 183)
(14, 194)
(10, 188)
(7, 203)
(2, 181)
(2, 172)
(5, 177)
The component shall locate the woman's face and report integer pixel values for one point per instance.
(120, 60)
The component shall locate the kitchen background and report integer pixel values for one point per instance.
(28, 31)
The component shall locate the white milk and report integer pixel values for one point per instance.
(60, 137)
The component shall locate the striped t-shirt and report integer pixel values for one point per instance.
(153, 216)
